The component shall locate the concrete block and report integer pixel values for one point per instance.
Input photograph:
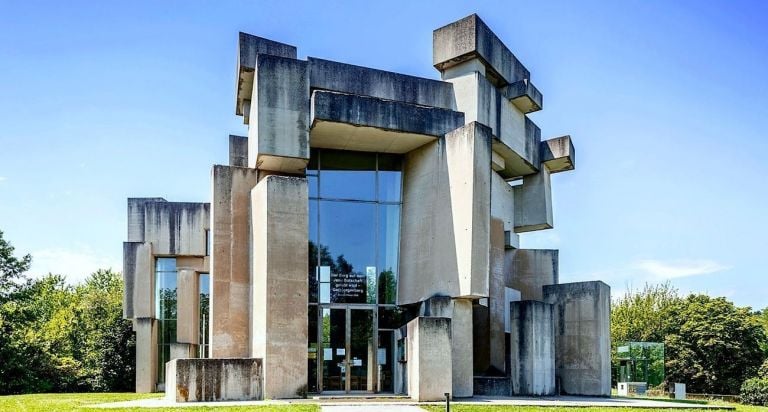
(238, 151)
(279, 281)
(533, 203)
(136, 219)
(206, 380)
(249, 47)
(187, 306)
(173, 228)
(582, 337)
(502, 202)
(429, 358)
(139, 280)
(351, 122)
(363, 81)
(481, 353)
(230, 261)
(524, 95)
(445, 249)
(470, 38)
(496, 298)
(146, 354)
(558, 154)
(278, 134)
(461, 349)
(532, 349)
(532, 269)
(182, 351)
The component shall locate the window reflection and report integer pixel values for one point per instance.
(165, 311)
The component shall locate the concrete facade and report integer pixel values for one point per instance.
(365, 237)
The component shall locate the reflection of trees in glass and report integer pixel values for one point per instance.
(387, 286)
(338, 266)
(204, 308)
(167, 303)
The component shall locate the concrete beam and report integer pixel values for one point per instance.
(558, 154)
(470, 38)
(188, 306)
(238, 151)
(139, 280)
(582, 337)
(532, 349)
(279, 283)
(430, 368)
(173, 228)
(364, 81)
(524, 95)
(351, 122)
(250, 46)
(533, 203)
(278, 134)
(496, 298)
(146, 354)
(530, 270)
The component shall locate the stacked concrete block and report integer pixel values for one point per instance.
(531, 270)
(430, 371)
(249, 47)
(558, 154)
(532, 349)
(238, 151)
(582, 337)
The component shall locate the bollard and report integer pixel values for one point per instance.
(447, 402)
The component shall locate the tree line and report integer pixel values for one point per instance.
(60, 338)
(711, 345)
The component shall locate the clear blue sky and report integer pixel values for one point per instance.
(667, 102)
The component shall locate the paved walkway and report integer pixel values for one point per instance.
(406, 405)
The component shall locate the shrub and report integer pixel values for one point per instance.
(755, 392)
(763, 372)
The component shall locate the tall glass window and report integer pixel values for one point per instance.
(205, 299)
(165, 311)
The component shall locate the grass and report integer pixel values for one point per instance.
(511, 408)
(56, 402)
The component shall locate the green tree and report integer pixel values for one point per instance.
(712, 345)
(11, 268)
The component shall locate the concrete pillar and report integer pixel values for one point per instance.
(497, 299)
(146, 354)
(532, 349)
(531, 269)
(279, 279)
(461, 348)
(183, 351)
(582, 337)
(533, 202)
(429, 358)
(187, 306)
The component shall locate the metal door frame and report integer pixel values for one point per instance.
(348, 308)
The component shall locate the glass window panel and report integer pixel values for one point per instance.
(165, 295)
(390, 178)
(312, 251)
(347, 175)
(205, 298)
(312, 348)
(348, 234)
(391, 318)
(325, 293)
(166, 265)
(312, 185)
(388, 245)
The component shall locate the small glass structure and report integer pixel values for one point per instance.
(641, 362)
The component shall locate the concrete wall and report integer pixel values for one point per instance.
(496, 299)
(205, 380)
(533, 202)
(530, 270)
(582, 337)
(279, 282)
(249, 46)
(446, 217)
(146, 354)
(429, 358)
(139, 280)
(532, 349)
(230, 261)
(238, 151)
(173, 228)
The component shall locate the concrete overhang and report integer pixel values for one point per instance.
(524, 95)
(249, 47)
(363, 123)
(470, 38)
(527, 160)
(558, 154)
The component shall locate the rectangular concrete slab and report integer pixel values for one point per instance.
(532, 349)
(529, 270)
(533, 203)
(139, 280)
(558, 154)
(238, 150)
(173, 228)
(249, 46)
(188, 306)
(203, 380)
(524, 95)
(429, 358)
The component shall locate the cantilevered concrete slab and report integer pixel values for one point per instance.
(249, 46)
(558, 154)
(524, 95)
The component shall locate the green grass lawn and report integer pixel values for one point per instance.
(510, 408)
(55, 402)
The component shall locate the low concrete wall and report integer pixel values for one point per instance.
(532, 349)
(429, 358)
(491, 386)
(198, 380)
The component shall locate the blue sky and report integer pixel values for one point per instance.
(667, 103)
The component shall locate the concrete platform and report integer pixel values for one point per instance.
(391, 403)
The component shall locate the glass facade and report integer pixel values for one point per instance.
(205, 300)
(354, 236)
(165, 311)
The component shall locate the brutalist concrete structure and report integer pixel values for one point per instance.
(364, 237)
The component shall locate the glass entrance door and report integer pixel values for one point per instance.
(347, 349)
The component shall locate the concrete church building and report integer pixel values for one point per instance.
(364, 238)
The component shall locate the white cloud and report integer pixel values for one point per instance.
(3, 178)
(76, 265)
(660, 269)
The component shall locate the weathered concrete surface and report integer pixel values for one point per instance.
(531, 269)
(503, 208)
(558, 154)
(582, 337)
(183, 350)
(230, 261)
(146, 354)
(496, 299)
(174, 228)
(279, 282)
(278, 134)
(533, 203)
(238, 150)
(429, 358)
(139, 280)
(364, 81)
(481, 354)
(198, 380)
(446, 217)
(491, 386)
(470, 38)
(524, 95)
(532, 349)
(249, 47)
(188, 306)
(399, 127)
